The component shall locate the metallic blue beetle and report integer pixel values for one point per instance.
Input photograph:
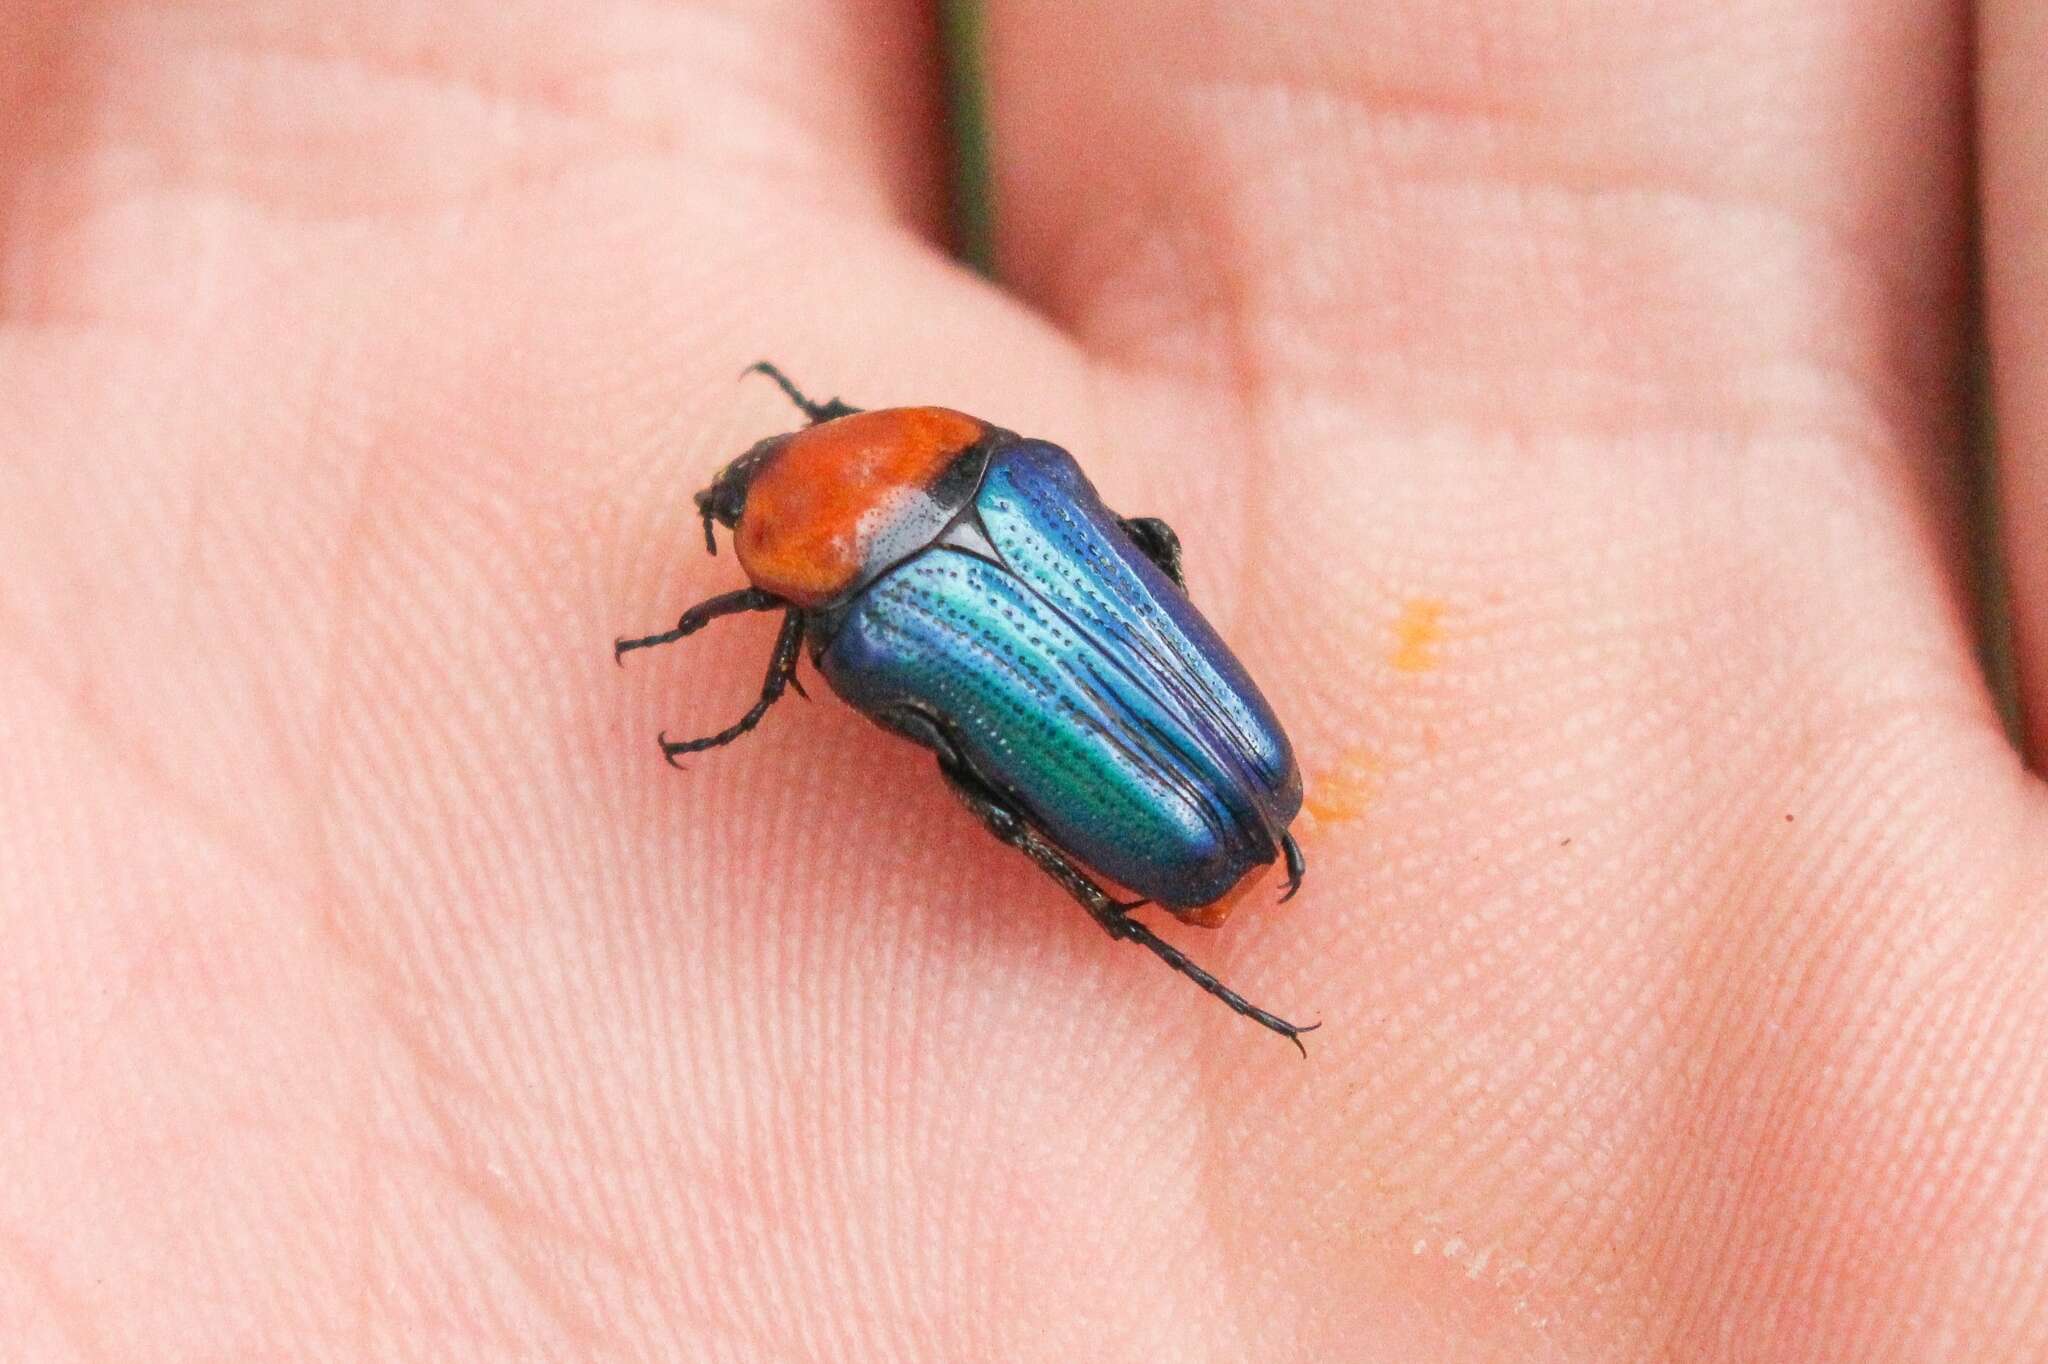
(965, 587)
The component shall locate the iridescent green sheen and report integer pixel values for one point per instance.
(1074, 677)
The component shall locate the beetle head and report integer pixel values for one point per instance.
(726, 498)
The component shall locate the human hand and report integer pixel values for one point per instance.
(1561, 408)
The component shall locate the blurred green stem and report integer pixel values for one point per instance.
(961, 35)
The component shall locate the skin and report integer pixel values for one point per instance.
(1562, 407)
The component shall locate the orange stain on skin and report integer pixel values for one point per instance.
(1223, 906)
(811, 510)
(1344, 791)
(1336, 795)
(1417, 633)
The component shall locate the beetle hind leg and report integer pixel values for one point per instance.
(1130, 930)
(1010, 827)
(1297, 867)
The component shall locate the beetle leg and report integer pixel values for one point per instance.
(1156, 541)
(1130, 930)
(701, 615)
(815, 411)
(781, 670)
(1010, 827)
(1297, 866)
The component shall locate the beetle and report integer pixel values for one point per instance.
(964, 587)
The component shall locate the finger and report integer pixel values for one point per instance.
(2015, 140)
(315, 114)
(1607, 217)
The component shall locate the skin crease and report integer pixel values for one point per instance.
(370, 990)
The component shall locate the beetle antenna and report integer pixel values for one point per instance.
(710, 541)
(815, 411)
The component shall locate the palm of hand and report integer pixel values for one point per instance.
(1579, 496)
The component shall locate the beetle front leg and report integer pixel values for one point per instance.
(812, 409)
(1010, 827)
(701, 615)
(1157, 541)
(781, 672)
